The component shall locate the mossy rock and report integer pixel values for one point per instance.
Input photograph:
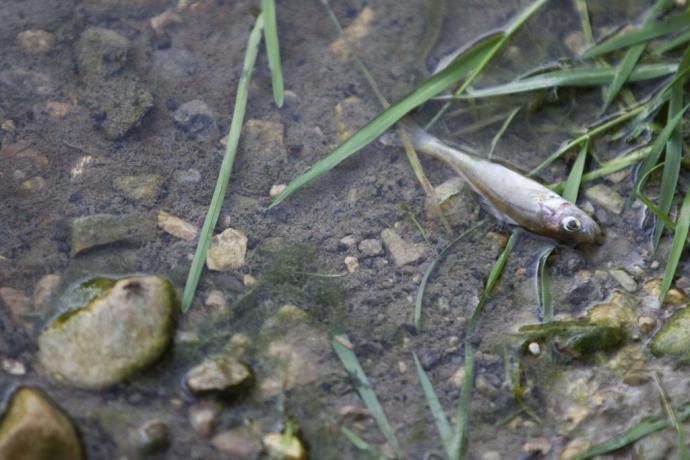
(578, 339)
(673, 338)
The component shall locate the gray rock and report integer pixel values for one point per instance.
(371, 247)
(120, 327)
(402, 252)
(34, 428)
(673, 338)
(626, 281)
(203, 417)
(227, 250)
(237, 443)
(101, 53)
(174, 64)
(152, 437)
(144, 188)
(220, 374)
(123, 102)
(188, 176)
(197, 120)
(101, 229)
(606, 197)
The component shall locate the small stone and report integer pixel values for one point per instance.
(248, 280)
(56, 109)
(276, 190)
(348, 241)
(674, 336)
(574, 448)
(45, 290)
(537, 446)
(203, 417)
(485, 387)
(371, 247)
(636, 378)
(197, 120)
(216, 300)
(402, 252)
(32, 185)
(626, 281)
(101, 52)
(117, 328)
(174, 64)
(575, 42)
(402, 367)
(36, 41)
(125, 109)
(188, 176)
(101, 229)
(351, 263)
(144, 188)
(8, 126)
(33, 427)
(281, 446)
(646, 323)
(227, 250)
(492, 455)
(606, 197)
(176, 226)
(152, 437)
(534, 348)
(237, 443)
(220, 374)
(164, 20)
(17, 300)
(13, 367)
(458, 377)
(654, 264)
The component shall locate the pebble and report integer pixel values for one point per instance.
(575, 447)
(237, 443)
(152, 437)
(349, 241)
(176, 227)
(97, 230)
(276, 190)
(35, 428)
(280, 446)
(626, 281)
(56, 109)
(402, 367)
(32, 185)
(216, 300)
(351, 263)
(371, 247)
(227, 250)
(606, 197)
(673, 338)
(36, 41)
(197, 120)
(119, 327)
(646, 323)
(166, 19)
(17, 300)
(534, 348)
(174, 64)
(402, 252)
(13, 367)
(458, 377)
(143, 188)
(492, 455)
(203, 417)
(485, 387)
(221, 375)
(537, 446)
(101, 53)
(129, 103)
(248, 280)
(188, 176)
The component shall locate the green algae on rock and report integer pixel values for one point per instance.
(34, 428)
(578, 339)
(102, 229)
(673, 338)
(120, 330)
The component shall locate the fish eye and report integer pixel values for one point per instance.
(571, 224)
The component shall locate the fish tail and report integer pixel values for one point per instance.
(431, 145)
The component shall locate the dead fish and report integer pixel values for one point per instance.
(510, 196)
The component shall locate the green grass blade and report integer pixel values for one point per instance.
(504, 127)
(662, 216)
(268, 9)
(226, 167)
(361, 444)
(679, 238)
(374, 128)
(572, 185)
(645, 33)
(675, 43)
(462, 416)
(440, 419)
(351, 364)
(430, 269)
(545, 297)
(582, 77)
(639, 431)
(673, 418)
(623, 72)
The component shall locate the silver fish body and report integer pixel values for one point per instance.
(518, 199)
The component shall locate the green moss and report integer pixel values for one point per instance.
(674, 336)
(577, 339)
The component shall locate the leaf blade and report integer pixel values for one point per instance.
(268, 8)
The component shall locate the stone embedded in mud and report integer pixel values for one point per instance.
(673, 339)
(36, 41)
(152, 437)
(34, 428)
(176, 226)
(45, 290)
(123, 103)
(283, 446)
(120, 328)
(624, 278)
(223, 375)
(403, 253)
(606, 197)
(238, 443)
(371, 247)
(618, 311)
(144, 188)
(227, 250)
(17, 300)
(174, 64)
(197, 120)
(101, 52)
(96, 230)
(577, 339)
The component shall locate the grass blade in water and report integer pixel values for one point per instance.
(361, 444)
(226, 167)
(351, 364)
(623, 72)
(374, 128)
(572, 185)
(584, 76)
(679, 238)
(643, 34)
(268, 8)
(545, 297)
(675, 43)
(501, 131)
(442, 424)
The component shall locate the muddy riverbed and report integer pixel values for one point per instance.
(113, 121)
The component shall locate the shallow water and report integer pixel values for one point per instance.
(59, 162)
